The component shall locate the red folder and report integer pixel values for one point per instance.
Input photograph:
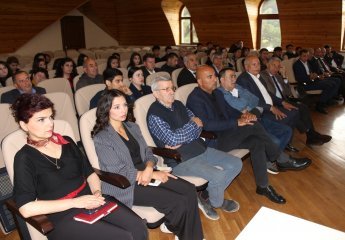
(98, 214)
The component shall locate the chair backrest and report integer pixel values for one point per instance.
(288, 65)
(9, 82)
(87, 122)
(64, 110)
(6, 89)
(57, 85)
(102, 67)
(76, 79)
(140, 112)
(14, 142)
(152, 76)
(7, 126)
(239, 65)
(183, 92)
(124, 63)
(83, 96)
(124, 71)
(174, 75)
(51, 73)
(160, 64)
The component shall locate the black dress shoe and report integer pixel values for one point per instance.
(324, 138)
(271, 194)
(291, 148)
(314, 141)
(321, 109)
(295, 164)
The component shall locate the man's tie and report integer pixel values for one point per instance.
(325, 67)
(277, 86)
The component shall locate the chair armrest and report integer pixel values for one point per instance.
(40, 222)
(113, 178)
(208, 135)
(165, 152)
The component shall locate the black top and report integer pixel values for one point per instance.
(145, 90)
(134, 150)
(35, 177)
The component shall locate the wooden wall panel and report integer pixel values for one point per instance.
(309, 23)
(21, 20)
(223, 22)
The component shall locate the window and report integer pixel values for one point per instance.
(187, 30)
(269, 35)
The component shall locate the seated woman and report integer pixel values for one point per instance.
(4, 73)
(135, 60)
(50, 168)
(38, 75)
(136, 77)
(113, 62)
(66, 68)
(122, 149)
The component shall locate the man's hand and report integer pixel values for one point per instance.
(173, 147)
(243, 122)
(288, 106)
(279, 114)
(126, 90)
(144, 177)
(249, 116)
(197, 121)
(313, 76)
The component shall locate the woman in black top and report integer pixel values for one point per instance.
(136, 77)
(51, 167)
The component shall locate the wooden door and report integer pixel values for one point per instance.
(72, 31)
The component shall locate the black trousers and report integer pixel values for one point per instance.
(177, 200)
(122, 224)
(254, 138)
(304, 122)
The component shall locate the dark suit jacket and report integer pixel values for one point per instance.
(246, 81)
(185, 77)
(146, 73)
(11, 96)
(215, 117)
(301, 75)
(315, 66)
(271, 85)
(166, 68)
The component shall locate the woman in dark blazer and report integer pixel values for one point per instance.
(121, 148)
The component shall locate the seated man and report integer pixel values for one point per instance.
(113, 79)
(333, 55)
(289, 52)
(276, 85)
(217, 62)
(90, 75)
(156, 52)
(174, 126)
(311, 81)
(22, 82)
(278, 53)
(149, 65)
(171, 63)
(187, 74)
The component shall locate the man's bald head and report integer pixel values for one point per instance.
(206, 78)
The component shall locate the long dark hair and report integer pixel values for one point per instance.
(59, 69)
(103, 109)
(131, 60)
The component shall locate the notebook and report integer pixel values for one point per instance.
(93, 215)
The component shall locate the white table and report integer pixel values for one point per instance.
(268, 224)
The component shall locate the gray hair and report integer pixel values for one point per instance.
(156, 80)
(186, 57)
(274, 59)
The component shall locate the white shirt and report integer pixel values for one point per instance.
(262, 89)
(306, 67)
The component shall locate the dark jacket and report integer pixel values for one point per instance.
(11, 96)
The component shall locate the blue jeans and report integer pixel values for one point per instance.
(218, 167)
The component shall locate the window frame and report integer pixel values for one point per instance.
(262, 16)
(190, 27)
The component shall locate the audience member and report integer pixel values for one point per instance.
(90, 75)
(199, 48)
(263, 58)
(308, 80)
(278, 53)
(238, 44)
(217, 62)
(174, 126)
(66, 69)
(156, 52)
(21, 81)
(168, 50)
(13, 63)
(171, 63)
(134, 61)
(237, 54)
(81, 58)
(113, 79)
(122, 149)
(338, 58)
(52, 177)
(277, 86)
(5, 73)
(38, 75)
(187, 74)
(182, 52)
(113, 62)
(137, 87)
(149, 65)
(289, 52)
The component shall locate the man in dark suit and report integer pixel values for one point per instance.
(171, 63)
(273, 107)
(187, 74)
(22, 82)
(149, 65)
(338, 58)
(280, 88)
(309, 80)
(289, 52)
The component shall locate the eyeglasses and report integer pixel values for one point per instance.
(167, 89)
